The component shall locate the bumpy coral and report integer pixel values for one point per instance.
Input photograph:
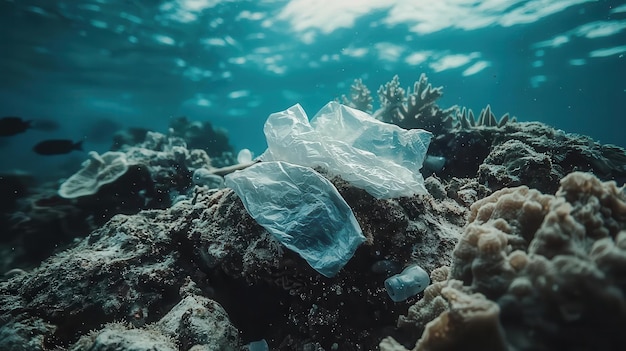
(203, 136)
(586, 210)
(548, 265)
(513, 162)
(464, 320)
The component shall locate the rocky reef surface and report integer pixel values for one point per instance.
(523, 233)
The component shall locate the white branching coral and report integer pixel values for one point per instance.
(360, 97)
(417, 108)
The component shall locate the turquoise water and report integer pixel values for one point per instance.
(99, 66)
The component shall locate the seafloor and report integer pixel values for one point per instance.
(523, 233)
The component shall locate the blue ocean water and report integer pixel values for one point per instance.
(101, 65)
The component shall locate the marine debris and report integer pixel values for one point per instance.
(522, 232)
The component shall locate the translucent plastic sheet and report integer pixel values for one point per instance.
(302, 209)
(381, 158)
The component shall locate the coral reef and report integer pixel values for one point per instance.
(532, 272)
(144, 176)
(133, 268)
(39, 223)
(197, 135)
(203, 136)
(524, 251)
(499, 152)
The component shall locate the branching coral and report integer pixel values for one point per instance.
(415, 109)
(360, 97)
(486, 118)
(501, 152)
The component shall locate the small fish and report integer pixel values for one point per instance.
(13, 125)
(57, 147)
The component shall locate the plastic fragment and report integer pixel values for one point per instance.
(204, 177)
(411, 281)
(259, 345)
(244, 156)
(434, 163)
(302, 209)
(99, 170)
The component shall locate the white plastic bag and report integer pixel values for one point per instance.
(379, 157)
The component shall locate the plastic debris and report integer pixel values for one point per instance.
(204, 177)
(302, 209)
(244, 156)
(379, 157)
(259, 345)
(96, 172)
(411, 281)
(434, 163)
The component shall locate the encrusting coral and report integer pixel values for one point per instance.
(539, 269)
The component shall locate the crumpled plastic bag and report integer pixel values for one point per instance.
(379, 157)
(302, 209)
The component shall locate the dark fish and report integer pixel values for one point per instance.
(57, 147)
(13, 125)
